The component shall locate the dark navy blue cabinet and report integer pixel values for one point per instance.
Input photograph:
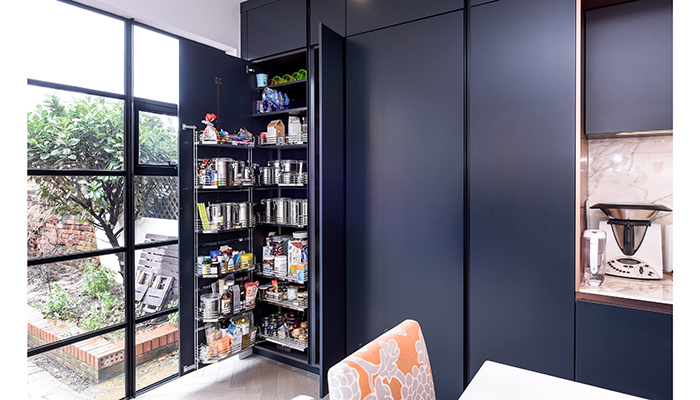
(200, 68)
(405, 188)
(331, 202)
(479, 2)
(473, 235)
(270, 27)
(521, 174)
(330, 13)
(625, 349)
(629, 67)
(367, 15)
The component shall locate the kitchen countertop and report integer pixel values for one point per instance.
(656, 291)
(496, 381)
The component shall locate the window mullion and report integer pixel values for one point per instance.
(129, 211)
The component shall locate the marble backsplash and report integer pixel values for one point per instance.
(633, 171)
(630, 170)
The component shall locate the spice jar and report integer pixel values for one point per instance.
(265, 324)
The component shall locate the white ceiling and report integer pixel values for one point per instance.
(215, 23)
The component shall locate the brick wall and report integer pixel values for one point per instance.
(98, 358)
(48, 235)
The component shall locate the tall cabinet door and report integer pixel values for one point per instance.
(522, 170)
(200, 66)
(405, 188)
(331, 217)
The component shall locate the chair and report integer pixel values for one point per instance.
(393, 366)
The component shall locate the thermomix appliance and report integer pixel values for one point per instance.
(629, 224)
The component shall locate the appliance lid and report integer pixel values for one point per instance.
(639, 212)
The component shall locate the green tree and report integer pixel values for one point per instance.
(88, 134)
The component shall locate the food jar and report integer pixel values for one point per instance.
(272, 326)
(294, 212)
(230, 215)
(264, 325)
(292, 292)
(222, 166)
(245, 214)
(281, 265)
(216, 216)
(268, 264)
(210, 305)
(281, 210)
(246, 260)
(262, 291)
(267, 176)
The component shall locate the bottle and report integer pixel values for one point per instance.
(244, 324)
(214, 269)
(206, 265)
(226, 302)
(236, 337)
(594, 256)
(223, 266)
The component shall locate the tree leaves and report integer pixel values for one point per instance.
(88, 133)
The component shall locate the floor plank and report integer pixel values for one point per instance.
(251, 378)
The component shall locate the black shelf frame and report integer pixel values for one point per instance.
(282, 85)
(290, 111)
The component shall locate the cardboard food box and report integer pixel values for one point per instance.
(294, 134)
(297, 255)
(275, 129)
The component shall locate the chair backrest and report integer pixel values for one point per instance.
(393, 366)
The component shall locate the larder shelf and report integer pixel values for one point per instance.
(291, 111)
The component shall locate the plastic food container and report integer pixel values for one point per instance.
(261, 79)
(246, 260)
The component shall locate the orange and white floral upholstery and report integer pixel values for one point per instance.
(393, 366)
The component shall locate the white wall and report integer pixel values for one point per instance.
(215, 23)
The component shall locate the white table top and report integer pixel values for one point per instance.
(496, 381)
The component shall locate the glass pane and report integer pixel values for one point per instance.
(156, 66)
(67, 130)
(157, 138)
(157, 350)
(75, 47)
(157, 279)
(90, 369)
(157, 208)
(68, 298)
(70, 214)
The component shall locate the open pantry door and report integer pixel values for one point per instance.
(331, 180)
(211, 82)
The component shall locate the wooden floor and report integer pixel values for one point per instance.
(252, 378)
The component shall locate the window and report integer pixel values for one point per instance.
(102, 200)
(78, 47)
(157, 138)
(71, 130)
(156, 66)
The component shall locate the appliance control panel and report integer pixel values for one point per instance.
(631, 268)
(644, 264)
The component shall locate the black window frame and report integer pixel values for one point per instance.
(131, 169)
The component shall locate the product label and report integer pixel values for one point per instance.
(226, 306)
